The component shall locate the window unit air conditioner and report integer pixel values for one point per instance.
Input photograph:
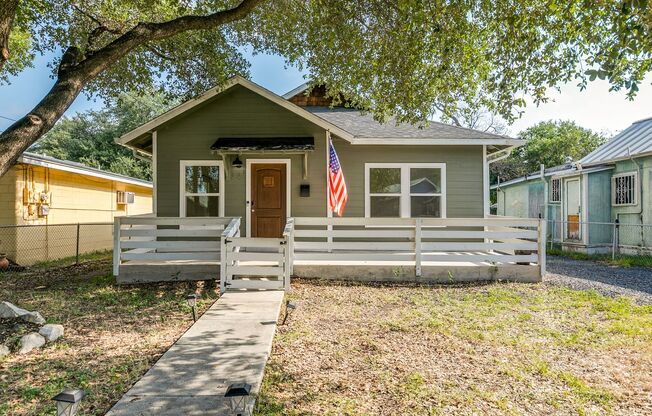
(126, 197)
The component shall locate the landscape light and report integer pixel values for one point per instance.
(68, 401)
(237, 396)
(289, 308)
(192, 302)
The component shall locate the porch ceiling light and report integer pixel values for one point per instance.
(237, 163)
(238, 397)
(68, 401)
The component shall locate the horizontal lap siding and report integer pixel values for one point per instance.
(241, 113)
(237, 113)
(463, 173)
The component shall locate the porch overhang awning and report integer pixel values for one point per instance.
(225, 146)
(263, 144)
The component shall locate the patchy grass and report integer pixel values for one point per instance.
(505, 349)
(620, 260)
(113, 334)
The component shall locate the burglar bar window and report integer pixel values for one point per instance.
(555, 190)
(624, 189)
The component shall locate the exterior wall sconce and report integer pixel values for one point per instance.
(68, 401)
(192, 302)
(237, 163)
(238, 398)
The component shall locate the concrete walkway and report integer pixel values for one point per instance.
(230, 343)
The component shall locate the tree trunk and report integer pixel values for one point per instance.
(7, 13)
(76, 71)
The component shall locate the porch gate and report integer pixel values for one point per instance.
(255, 263)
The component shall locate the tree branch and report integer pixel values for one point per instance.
(7, 14)
(75, 71)
(452, 116)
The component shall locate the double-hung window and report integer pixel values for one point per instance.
(624, 189)
(405, 190)
(201, 188)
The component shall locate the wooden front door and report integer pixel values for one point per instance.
(268, 199)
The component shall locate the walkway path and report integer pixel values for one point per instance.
(230, 343)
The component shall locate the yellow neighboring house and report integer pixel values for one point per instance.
(41, 190)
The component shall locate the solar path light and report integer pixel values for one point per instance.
(192, 302)
(68, 401)
(237, 397)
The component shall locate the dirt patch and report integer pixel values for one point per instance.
(488, 349)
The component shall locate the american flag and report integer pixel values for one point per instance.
(337, 194)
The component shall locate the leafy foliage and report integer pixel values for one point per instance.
(394, 57)
(550, 143)
(88, 137)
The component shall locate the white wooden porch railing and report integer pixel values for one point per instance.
(428, 241)
(164, 239)
(255, 263)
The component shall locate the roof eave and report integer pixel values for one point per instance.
(616, 159)
(437, 141)
(63, 165)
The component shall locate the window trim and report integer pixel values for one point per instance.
(559, 191)
(637, 188)
(404, 205)
(182, 181)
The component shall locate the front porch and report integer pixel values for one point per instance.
(150, 249)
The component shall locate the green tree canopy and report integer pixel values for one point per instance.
(397, 57)
(88, 137)
(550, 143)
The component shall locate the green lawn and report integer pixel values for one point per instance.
(507, 349)
(113, 334)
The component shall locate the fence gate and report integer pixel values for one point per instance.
(256, 263)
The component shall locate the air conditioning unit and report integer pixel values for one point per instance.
(126, 197)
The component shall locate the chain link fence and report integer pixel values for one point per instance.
(26, 245)
(617, 239)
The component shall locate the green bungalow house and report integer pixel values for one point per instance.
(248, 171)
(583, 200)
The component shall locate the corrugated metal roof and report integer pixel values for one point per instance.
(364, 125)
(634, 140)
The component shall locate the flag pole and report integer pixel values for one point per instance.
(329, 212)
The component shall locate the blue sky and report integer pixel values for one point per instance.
(595, 108)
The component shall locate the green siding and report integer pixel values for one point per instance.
(242, 113)
(521, 200)
(599, 207)
(636, 214)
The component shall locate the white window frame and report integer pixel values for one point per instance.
(182, 184)
(559, 190)
(404, 208)
(635, 184)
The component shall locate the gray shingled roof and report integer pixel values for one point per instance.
(364, 126)
(634, 140)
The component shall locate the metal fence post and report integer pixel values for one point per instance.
(77, 249)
